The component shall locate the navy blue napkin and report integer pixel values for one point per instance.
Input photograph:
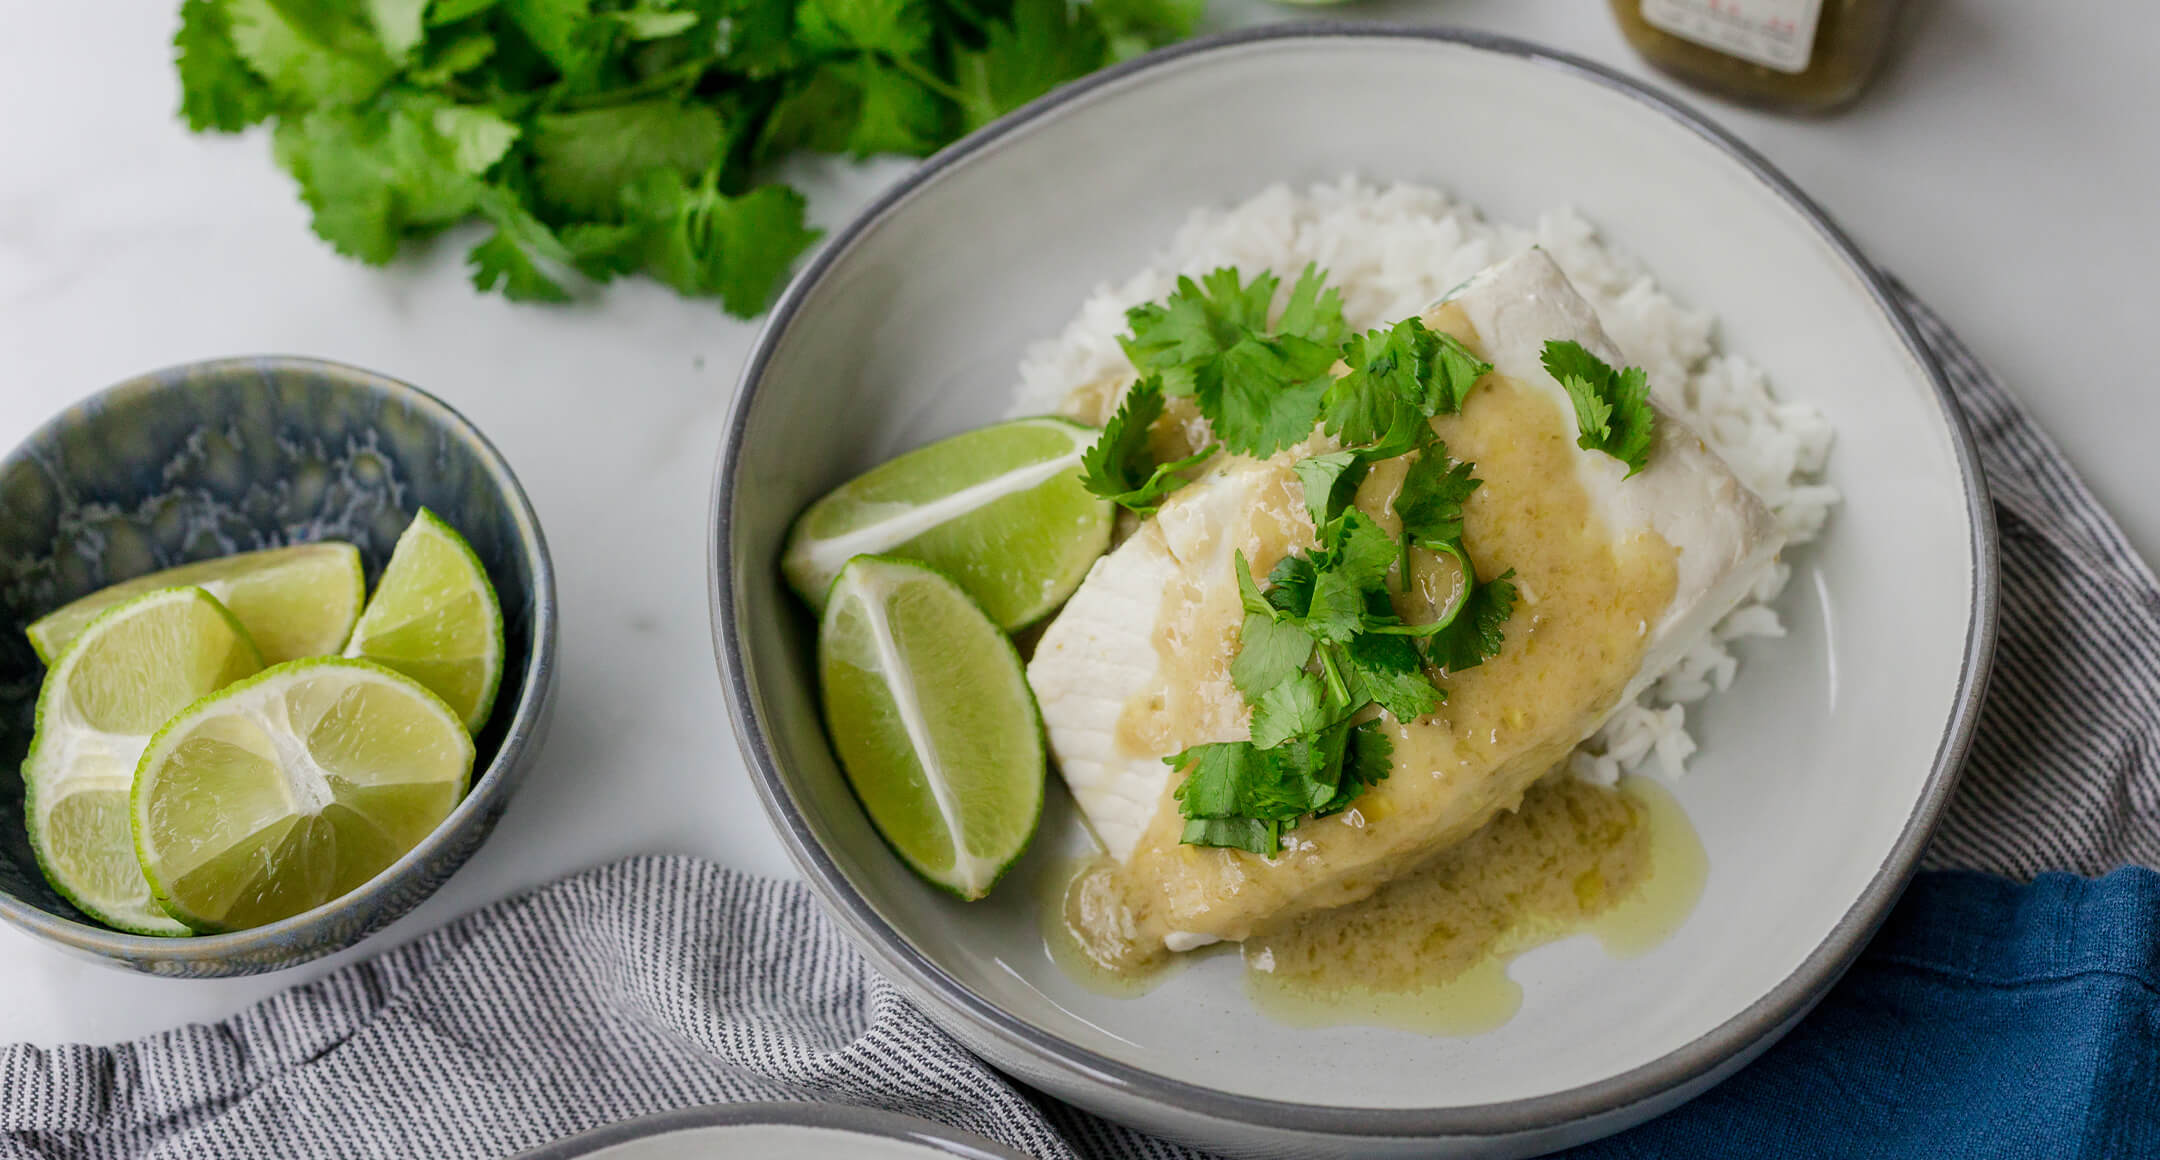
(1987, 1019)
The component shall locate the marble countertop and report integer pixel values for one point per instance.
(2003, 167)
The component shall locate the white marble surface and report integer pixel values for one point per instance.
(2004, 167)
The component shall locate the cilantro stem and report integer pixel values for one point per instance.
(925, 78)
(684, 75)
(1337, 687)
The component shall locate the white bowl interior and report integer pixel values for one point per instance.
(1812, 765)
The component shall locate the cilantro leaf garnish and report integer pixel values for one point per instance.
(1402, 373)
(1475, 636)
(1330, 482)
(1120, 467)
(217, 90)
(1368, 758)
(1430, 502)
(1612, 408)
(1258, 386)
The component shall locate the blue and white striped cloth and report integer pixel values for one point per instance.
(659, 983)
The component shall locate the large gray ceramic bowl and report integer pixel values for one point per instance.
(218, 457)
(1822, 769)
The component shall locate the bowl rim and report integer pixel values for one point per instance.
(1694, 1063)
(209, 949)
(851, 1119)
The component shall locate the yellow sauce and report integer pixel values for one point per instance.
(1429, 952)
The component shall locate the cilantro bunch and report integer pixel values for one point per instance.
(608, 137)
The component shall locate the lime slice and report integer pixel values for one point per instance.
(291, 788)
(434, 617)
(296, 602)
(123, 678)
(933, 721)
(999, 509)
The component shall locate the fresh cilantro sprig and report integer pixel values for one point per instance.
(608, 137)
(1612, 408)
(1121, 468)
(1257, 383)
(1399, 377)
(1314, 653)
(1238, 795)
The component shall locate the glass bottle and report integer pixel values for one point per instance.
(1799, 55)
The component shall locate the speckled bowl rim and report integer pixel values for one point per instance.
(860, 1121)
(1691, 1063)
(532, 692)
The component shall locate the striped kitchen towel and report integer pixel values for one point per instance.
(1989, 1018)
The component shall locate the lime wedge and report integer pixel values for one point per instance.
(123, 677)
(933, 721)
(434, 617)
(296, 602)
(999, 509)
(291, 788)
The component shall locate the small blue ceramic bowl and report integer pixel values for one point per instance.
(217, 457)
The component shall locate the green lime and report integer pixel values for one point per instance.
(434, 617)
(292, 788)
(296, 602)
(122, 678)
(999, 509)
(933, 720)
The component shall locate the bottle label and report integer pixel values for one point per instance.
(1777, 34)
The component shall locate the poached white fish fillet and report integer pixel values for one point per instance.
(1118, 694)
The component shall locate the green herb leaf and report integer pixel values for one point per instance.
(1264, 394)
(582, 161)
(217, 90)
(1043, 44)
(310, 52)
(1430, 502)
(409, 163)
(397, 25)
(1612, 408)
(1120, 467)
(1367, 761)
(1298, 705)
(1389, 670)
(564, 32)
(1249, 834)
(515, 257)
(1475, 635)
(1259, 387)
(1270, 652)
(702, 241)
(1330, 482)
(1398, 375)
(899, 28)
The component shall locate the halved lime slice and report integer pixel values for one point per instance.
(296, 602)
(123, 677)
(434, 617)
(933, 720)
(291, 788)
(999, 509)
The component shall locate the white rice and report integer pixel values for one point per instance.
(1394, 250)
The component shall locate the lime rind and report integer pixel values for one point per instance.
(974, 873)
(1018, 562)
(227, 578)
(373, 624)
(160, 745)
(51, 717)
